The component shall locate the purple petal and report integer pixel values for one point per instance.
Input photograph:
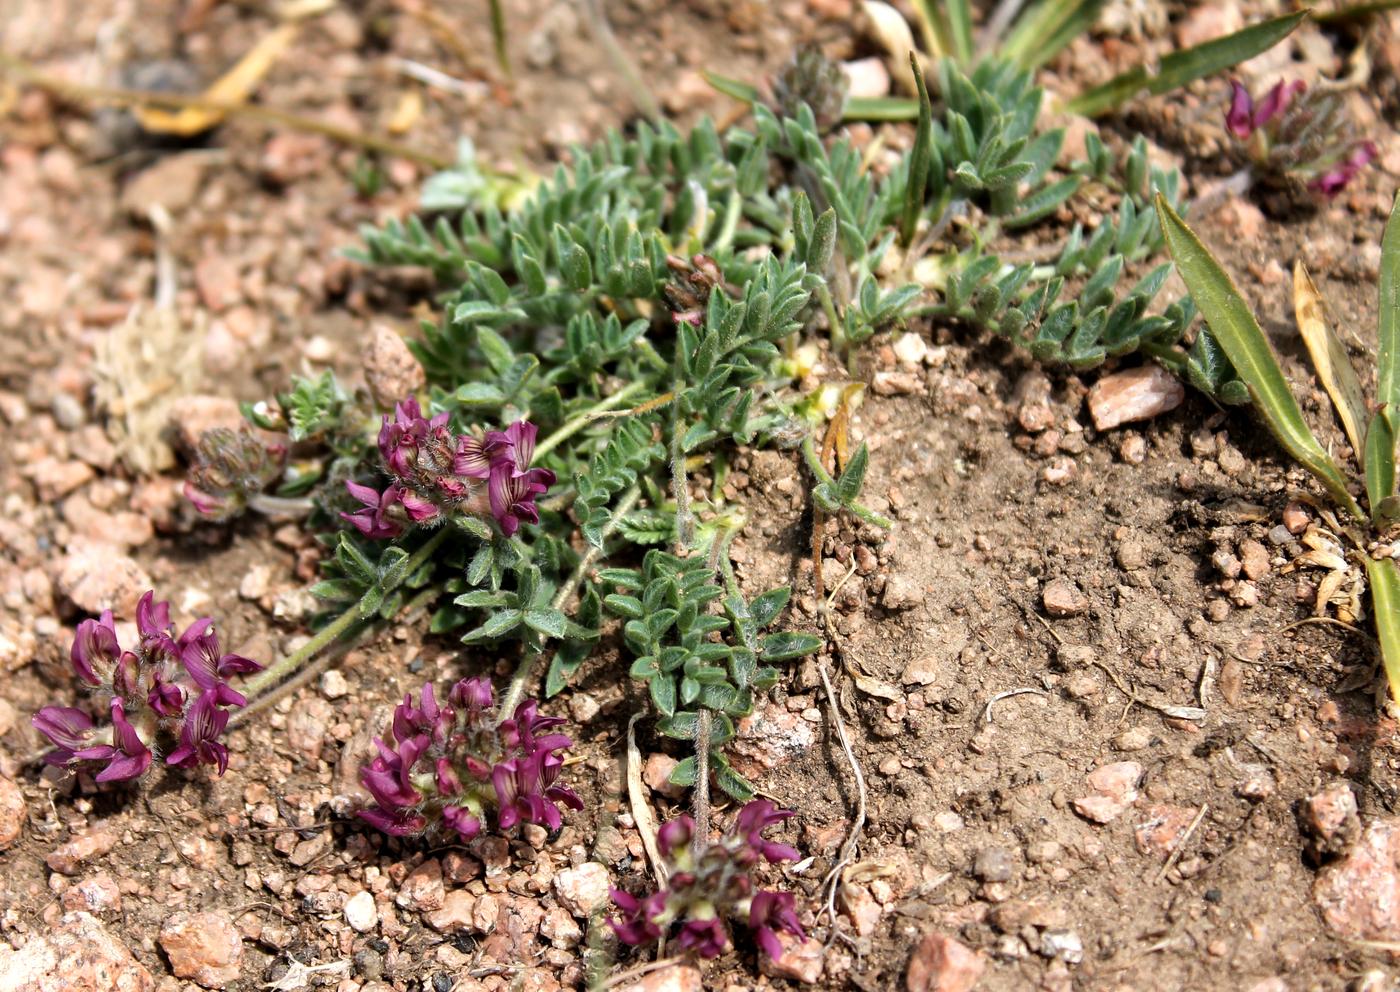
(152, 618)
(1240, 117)
(462, 821)
(675, 835)
(95, 649)
(67, 728)
(396, 824)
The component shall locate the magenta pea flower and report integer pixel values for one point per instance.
(769, 913)
(199, 736)
(513, 497)
(447, 767)
(436, 473)
(373, 519)
(126, 757)
(1299, 137)
(168, 695)
(68, 729)
(712, 882)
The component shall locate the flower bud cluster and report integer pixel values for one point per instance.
(714, 884)
(447, 767)
(168, 692)
(1298, 132)
(229, 469)
(436, 472)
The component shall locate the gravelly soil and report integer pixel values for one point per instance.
(973, 826)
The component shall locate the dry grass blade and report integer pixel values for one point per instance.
(1329, 357)
(234, 86)
(642, 815)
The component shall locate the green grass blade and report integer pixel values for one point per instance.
(917, 183)
(1249, 351)
(736, 88)
(1388, 321)
(960, 30)
(1180, 68)
(874, 108)
(498, 36)
(1385, 604)
(1379, 462)
(1352, 12)
(1041, 32)
(935, 30)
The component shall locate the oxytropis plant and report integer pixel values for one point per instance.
(438, 474)
(709, 883)
(1294, 135)
(170, 695)
(442, 767)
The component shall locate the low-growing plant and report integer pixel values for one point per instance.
(170, 694)
(1296, 137)
(1372, 432)
(441, 767)
(709, 883)
(986, 165)
(602, 342)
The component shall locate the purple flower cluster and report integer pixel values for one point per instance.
(1292, 130)
(436, 472)
(169, 690)
(229, 468)
(447, 765)
(713, 884)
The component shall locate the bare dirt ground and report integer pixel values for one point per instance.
(1083, 581)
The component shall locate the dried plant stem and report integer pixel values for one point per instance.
(639, 970)
(136, 98)
(832, 882)
(516, 690)
(270, 676)
(498, 36)
(280, 506)
(642, 815)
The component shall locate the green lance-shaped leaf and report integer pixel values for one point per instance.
(1249, 351)
(918, 159)
(1385, 603)
(1188, 65)
(1388, 324)
(1379, 463)
(730, 87)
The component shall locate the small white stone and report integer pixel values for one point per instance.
(583, 889)
(910, 348)
(361, 912)
(1134, 394)
(333, 684)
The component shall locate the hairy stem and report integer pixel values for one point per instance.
(315, 666)
(333, 631)
(578, 422)
(700, 799)
(685, 523)
(516, 690)
(280, 506)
